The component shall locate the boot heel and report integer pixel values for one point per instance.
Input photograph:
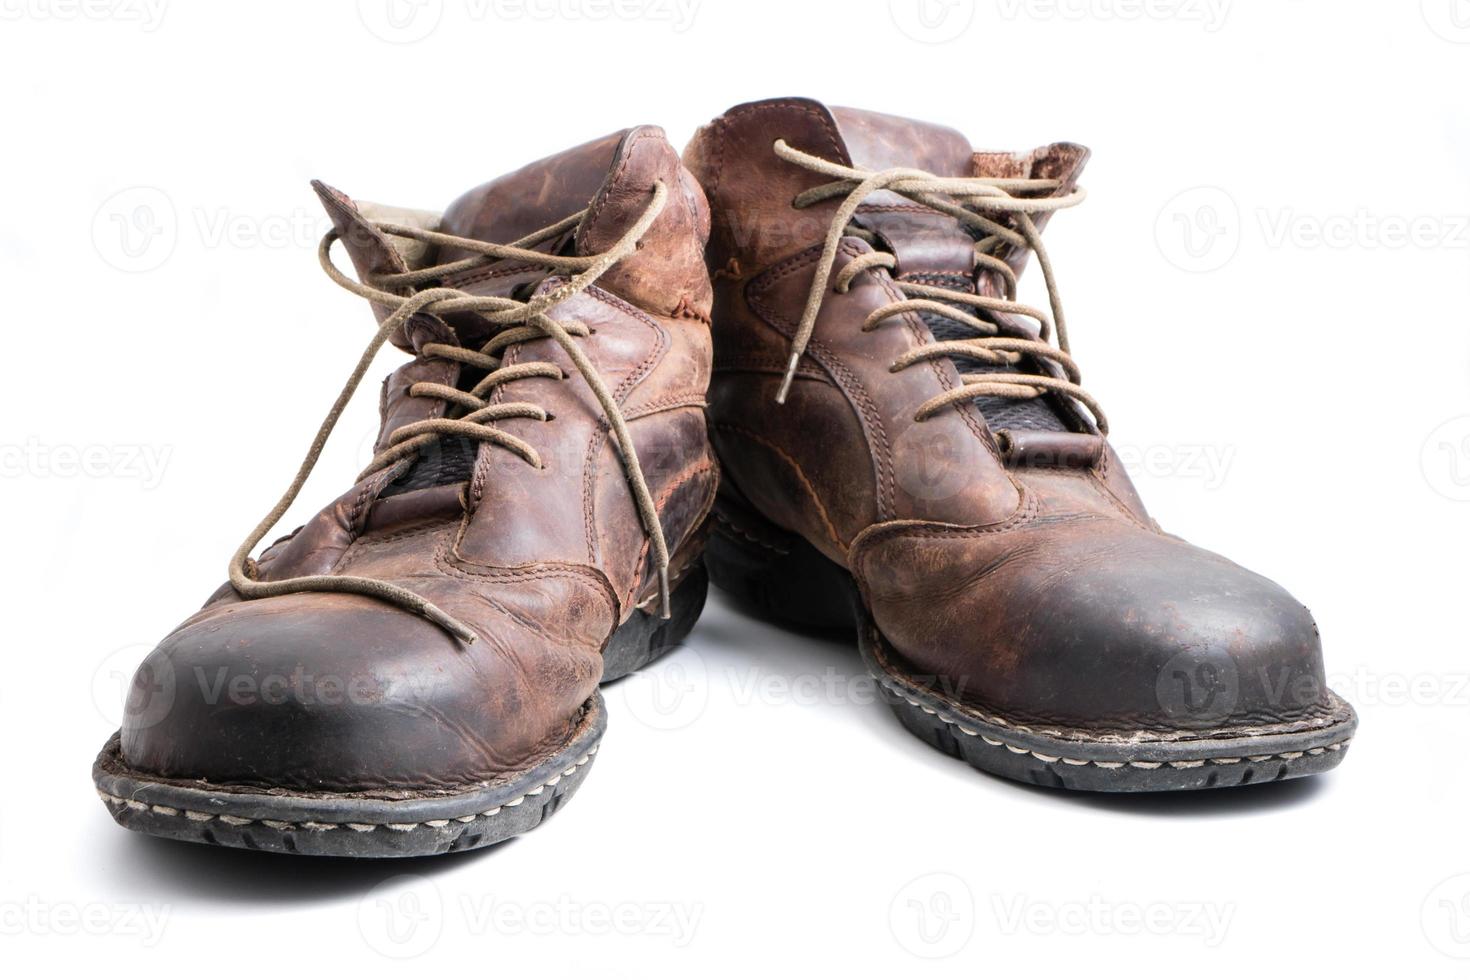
(775, 574)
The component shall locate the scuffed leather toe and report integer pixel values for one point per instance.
(1094, 624)
(341, 693)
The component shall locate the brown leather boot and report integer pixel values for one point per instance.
(416, 669)
(908, 451)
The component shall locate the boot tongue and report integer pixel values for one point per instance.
(924, 242)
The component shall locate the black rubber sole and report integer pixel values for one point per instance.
(414, 824)
(779, 576)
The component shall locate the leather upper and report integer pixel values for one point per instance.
(542, 564)
(1017, 570)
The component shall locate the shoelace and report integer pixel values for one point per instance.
(967, 199)
(519, 321)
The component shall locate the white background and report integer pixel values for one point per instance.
(1286, 373)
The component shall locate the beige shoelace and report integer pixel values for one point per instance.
(473, 416)
(969, 199)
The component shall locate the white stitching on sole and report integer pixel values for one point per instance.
(1180, 764)
(198, 816)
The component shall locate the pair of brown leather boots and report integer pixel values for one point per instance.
(793, 362)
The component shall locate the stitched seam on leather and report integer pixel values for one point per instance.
(740, 532)
(801, 476)
(611, 181)
(706, 465)
(464, 571)
(850, 385)
(676, 575)
(823, 119)
(362, 548)
(665, 404)
(598, 438)
(873, 535)
(922, 335)
(766, 365)
(474, 278)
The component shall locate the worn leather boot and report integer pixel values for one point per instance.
(416, 669)
(908, 451)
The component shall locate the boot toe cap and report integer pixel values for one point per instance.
(339, 693)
